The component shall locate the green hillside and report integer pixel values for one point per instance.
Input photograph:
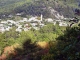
(9, 5)
(36, 7)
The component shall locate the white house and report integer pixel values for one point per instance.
(26, 25)
(25, 19)
(63, 24)
(58, 20)
(49, 20)
(41, 24)
(18, 14)
(19, 26)
(11, 21)
(36, 28)
(2, 29)
(25, 29)
(4, 22)
(8, 28)
(1, 25)
(33, 24)
(32, 19)
(10, 24)
(18, 29)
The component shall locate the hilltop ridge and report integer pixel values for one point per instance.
(36, 7)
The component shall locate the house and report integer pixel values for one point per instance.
(34, 24)
(36, 28)
(8, 28)
(9, 24)
(2, 29)
(49, 20)
(1, 25)
(26, 29)
(18, 14)
(41, 24)
(19, 26)
(32, 19)
(26, 25)
(63, 24)
(19, 29)
(58, 20)
(25, 19)
(11, 21)
(3, 22)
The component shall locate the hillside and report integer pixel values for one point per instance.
(9, 5)
(36, 7)
(49, 43)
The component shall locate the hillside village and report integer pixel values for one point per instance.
(39, 29)
(33, 22)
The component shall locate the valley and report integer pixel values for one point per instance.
(39, 29)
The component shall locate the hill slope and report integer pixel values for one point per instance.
(36, 7)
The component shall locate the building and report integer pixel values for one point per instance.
(49, 20)
(63, 24)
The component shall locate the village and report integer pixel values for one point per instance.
(27, 23)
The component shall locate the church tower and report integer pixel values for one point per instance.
(41, 17)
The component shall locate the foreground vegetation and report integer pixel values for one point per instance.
(64, 43)
(47, 33)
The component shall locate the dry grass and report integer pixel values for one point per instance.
(9, 50)
(43, 44)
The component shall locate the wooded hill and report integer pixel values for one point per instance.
(36, 7)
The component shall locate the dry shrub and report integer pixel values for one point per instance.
(8, 51)
(43, 44)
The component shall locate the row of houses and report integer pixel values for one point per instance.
(26, 24)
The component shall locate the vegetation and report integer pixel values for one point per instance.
(67, 47)
(64, 43)
(47, 33)
(33, 7)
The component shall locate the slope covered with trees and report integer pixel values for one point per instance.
(36, 7)
(64, 43)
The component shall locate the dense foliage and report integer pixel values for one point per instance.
(64, 44)
(47, 33)
(36, 7)
(68, 47)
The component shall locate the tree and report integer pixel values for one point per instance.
(11, 34)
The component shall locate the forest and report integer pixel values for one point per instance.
(36, 7)
(63, 43)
